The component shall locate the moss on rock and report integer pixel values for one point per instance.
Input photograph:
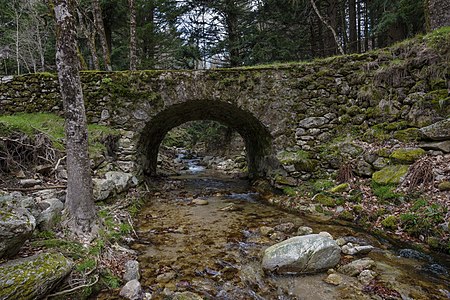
(390, 174)
(32, 277)
(444, 186)
(407, 155)
(344, 187)
(390, 222)
(325, 200)
(407, 135)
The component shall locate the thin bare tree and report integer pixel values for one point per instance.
(133, 46)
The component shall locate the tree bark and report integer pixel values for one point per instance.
(89, 34)
(352, 26)
(325, 22)
(79, 205)
(133, 46)
(98, 22)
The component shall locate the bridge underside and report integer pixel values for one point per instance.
(258, 141)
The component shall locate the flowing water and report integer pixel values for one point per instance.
(201, 233)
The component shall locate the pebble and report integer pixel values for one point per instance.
(200, 202)
(357, 266)
(326, 234)
(366, 276)
(333, 279)
(165, 277)
(265, 230)
(285, 227)
(352, 249)
(304, 230)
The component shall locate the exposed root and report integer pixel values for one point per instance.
(20, 152)
(345, 173)
(420, 174)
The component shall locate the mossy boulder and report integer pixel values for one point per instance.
(300, 160)
(32, 277)
(325, 200)
(444, 186)
(16, 226)
(437, 131)
(407, 155)
(344, 187)
(390, 174)
(407, 135)
(390, 222)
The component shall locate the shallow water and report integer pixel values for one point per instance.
(215, 250)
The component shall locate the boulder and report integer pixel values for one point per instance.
(438, 131)
(407, 155)
(32, 277)
(302, 254)
(132, 290)
(102, 189)
(390, 174)
(122, 181)
(304, 230)
(352, 249)
(131, 271)
(443, 146)
(48, 218)
(16, 226)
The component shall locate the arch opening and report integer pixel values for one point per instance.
(257, 138)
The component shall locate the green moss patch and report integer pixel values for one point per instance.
(407, 155)
(390, 174)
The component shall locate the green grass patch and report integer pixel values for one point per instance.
(385, 192)
(53, 126)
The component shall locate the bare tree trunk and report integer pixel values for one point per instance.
(324, 21)
(89, 34)
(17, 43)
(98, 22)
(352, 26)
(133, 55)
(79, 206)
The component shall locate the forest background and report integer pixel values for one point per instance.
(201, 34)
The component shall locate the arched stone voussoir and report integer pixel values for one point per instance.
(257, 137)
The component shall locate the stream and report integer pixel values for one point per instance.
(202, 233)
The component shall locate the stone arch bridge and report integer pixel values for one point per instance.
(278, 109)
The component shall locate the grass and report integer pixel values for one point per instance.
(52, 125)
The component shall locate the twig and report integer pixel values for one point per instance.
(36, 188)
(59, 161)
(73, 289)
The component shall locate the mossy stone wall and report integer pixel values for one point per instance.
(291, 107)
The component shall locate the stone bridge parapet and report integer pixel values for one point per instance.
(279, 110)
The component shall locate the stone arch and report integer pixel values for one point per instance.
(257, 138)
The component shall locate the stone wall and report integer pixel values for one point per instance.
(293, 113)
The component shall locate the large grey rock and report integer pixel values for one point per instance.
(132, 290)
(16, 226)
(122, 181)
(302, 254)
(443, 146)
(131, 271)
(48, 218)
(102, 189)
(313, 122)
(32, 277)
(438, 131)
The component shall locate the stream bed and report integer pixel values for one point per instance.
(204, 233)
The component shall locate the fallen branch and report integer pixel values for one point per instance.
(53, 187)
(74, 289)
